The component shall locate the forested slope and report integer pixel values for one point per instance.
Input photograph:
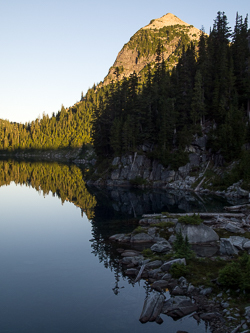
(208, 88)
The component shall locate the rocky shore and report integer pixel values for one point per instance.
(221, 308)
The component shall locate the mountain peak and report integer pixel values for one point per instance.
(165, 21)
(140, 50)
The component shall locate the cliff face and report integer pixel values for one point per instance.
(140, 50)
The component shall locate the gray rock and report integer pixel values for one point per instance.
(247, 311)
(227, 247)
(190, 288)
(152, 307)
(172, 239)
(116, 161)
(130, 253)
(183, 282)
(167, 265)
(246, 245)
(160, 284)
(161, 247)
(242, 193)
(200, 142)
(225, 305)
(238, 241)
(206, 291)
(115, 174)
(154, 273)
(121, 238)
(141, 238)
(153, 264)
(178, 307)
(131, 271)
(166, 276)
(152, 231)
(233, 228)
(131, 260)
(208, 316)
(177, 291)
(194, 159)
(197, 233)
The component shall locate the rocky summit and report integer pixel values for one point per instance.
(140, 50)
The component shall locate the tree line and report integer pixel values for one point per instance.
(161, 108)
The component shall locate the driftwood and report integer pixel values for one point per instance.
(140, 273)
(236, 208)
(202, 215)
(209, 215)
(200, 183)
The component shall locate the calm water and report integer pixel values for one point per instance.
(58, 272)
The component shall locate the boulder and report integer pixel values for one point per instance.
(141, 237)
(178, 307)
(246, 245)
(194, 159)
(161, 247)
(132, 260)
(153, 264)
(121, 238)
(130, 253)
(242, 193)
(159, 285)
(227, 247)
(152, 307)
(238, 241)
(234, 228)
(131, 271)
(197, 233)
(177, 291)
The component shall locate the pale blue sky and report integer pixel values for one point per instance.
(52, 50)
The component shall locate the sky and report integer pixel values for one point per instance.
(53, 50)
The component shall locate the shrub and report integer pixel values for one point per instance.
(138, 181)
(147, 253)
(182, 247)
(194, 219)
(177, 270)
(229, 276)
(236, 275)
(139, 230)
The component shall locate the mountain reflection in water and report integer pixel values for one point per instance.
(110, 211)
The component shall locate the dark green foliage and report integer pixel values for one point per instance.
(138, 181)
(177, 270)
(194, 219)
(236, 275)
(182, 247)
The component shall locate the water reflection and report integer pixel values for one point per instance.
(109, 210)
(64, 181)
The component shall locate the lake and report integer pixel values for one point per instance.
(59, 273)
